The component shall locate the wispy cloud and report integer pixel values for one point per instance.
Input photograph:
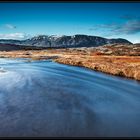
(10, 26)
(18, 36)
(131, 25)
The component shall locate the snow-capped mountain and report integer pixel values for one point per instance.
(65, 41)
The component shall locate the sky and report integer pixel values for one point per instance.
(109, 20)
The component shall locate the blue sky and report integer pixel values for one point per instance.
(110, 20)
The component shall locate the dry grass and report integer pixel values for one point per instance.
(113, 65)
(122, 65)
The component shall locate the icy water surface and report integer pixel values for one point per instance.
(44, 98)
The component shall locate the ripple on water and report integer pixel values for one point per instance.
(43, 98)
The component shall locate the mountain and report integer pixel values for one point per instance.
(10, 41)
(65, 41)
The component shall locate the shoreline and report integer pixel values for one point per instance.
(93, 69)
(127, 71)
(119, 65)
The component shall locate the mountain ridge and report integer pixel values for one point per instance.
(78, 40)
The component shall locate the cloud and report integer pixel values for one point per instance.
(10, 26)
(130, 27)
(17, 36)
(136, 41)
(126, 28)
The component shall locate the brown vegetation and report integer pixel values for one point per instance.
(118, 60)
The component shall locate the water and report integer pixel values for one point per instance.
(44, 98)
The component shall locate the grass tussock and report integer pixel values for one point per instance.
(123, 60)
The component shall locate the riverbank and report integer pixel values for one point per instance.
(61, 100)
(116, 60)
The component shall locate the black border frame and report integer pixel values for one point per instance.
(69, 1)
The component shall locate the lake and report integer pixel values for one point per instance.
(44, 99)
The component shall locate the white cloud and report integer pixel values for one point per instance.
(136, 41)
(18, 36)
(10, 26)
(126, 28)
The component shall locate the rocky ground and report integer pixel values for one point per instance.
(121, 60)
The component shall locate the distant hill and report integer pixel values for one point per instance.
(137, 44)
(65, 41)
